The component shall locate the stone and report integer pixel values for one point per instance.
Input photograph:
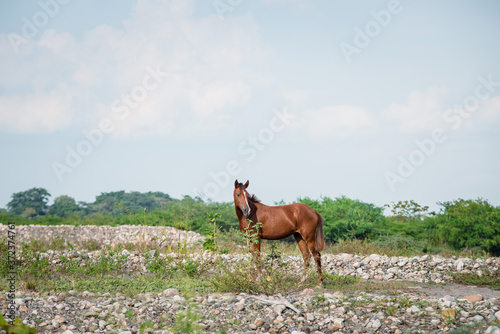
(374, 323)
(478, 318)
(474, 298)
(258, 322)
(170, 292)
(449, 313)
(492, 330)
(413, 309)
(153, 253)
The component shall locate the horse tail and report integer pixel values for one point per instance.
(319, 242)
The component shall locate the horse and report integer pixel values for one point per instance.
(279, 222)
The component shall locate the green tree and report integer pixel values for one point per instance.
(64, 206)
(469, 224)
(345, 218)
(32, 202)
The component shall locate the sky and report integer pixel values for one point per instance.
(379, 101)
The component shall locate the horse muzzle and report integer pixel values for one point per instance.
(246, 211)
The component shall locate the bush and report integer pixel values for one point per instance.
(345, 218)
(468, 224)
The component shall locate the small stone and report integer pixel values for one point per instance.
(413, 309)
(258, 322)
(170, 292)
(153, 253)
(23, 308)
(67, 332)
(492, 330)
(308, 291)
(374, 323)
(178, 298)
(338, 323)
(309, 317)
(478, 318)
(474, 298)
(435, 322)
(449, 313)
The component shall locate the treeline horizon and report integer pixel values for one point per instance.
(461, 224)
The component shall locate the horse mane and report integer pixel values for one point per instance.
(254, 198)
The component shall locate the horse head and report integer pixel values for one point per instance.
(241, 197)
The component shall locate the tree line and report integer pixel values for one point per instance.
(472, 224)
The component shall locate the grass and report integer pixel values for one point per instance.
(488, 279)
(108, 273)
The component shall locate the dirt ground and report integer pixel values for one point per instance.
(454, 290)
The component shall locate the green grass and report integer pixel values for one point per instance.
(488, 279)
(275, 277)
(107, 273)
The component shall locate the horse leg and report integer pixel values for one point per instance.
(316, 255)
(303, 249)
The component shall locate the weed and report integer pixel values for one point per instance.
(15, 327)
(244, 277)
(210, 242)
(489, 279)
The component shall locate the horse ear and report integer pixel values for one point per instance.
(246, 184)
(236, 184)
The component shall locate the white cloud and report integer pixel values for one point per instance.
(423, 111)
(338, 122)
(215, 68)
(40, 113)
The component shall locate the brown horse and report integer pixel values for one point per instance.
(279, 222)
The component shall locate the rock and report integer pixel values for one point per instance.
(170, 292)
(308, 292)
(374, 323)
(474, 298)
(338, 323)
(478, 318)
(493, 330)
(435, 322)
(449, 313)
(413, 309)
(153, 253)
(258, 322)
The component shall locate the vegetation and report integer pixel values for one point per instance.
(470, 226)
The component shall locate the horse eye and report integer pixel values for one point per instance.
(238, 195)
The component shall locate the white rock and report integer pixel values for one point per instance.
(492, 330)
(413, 309)
(375, 324)
(478, 318)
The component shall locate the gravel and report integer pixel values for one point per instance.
(427, 308)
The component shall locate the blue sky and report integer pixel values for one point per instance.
(376, 100)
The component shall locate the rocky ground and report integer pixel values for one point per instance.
(429, 304)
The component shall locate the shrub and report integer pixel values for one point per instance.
(345, 218)
(468, 224)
